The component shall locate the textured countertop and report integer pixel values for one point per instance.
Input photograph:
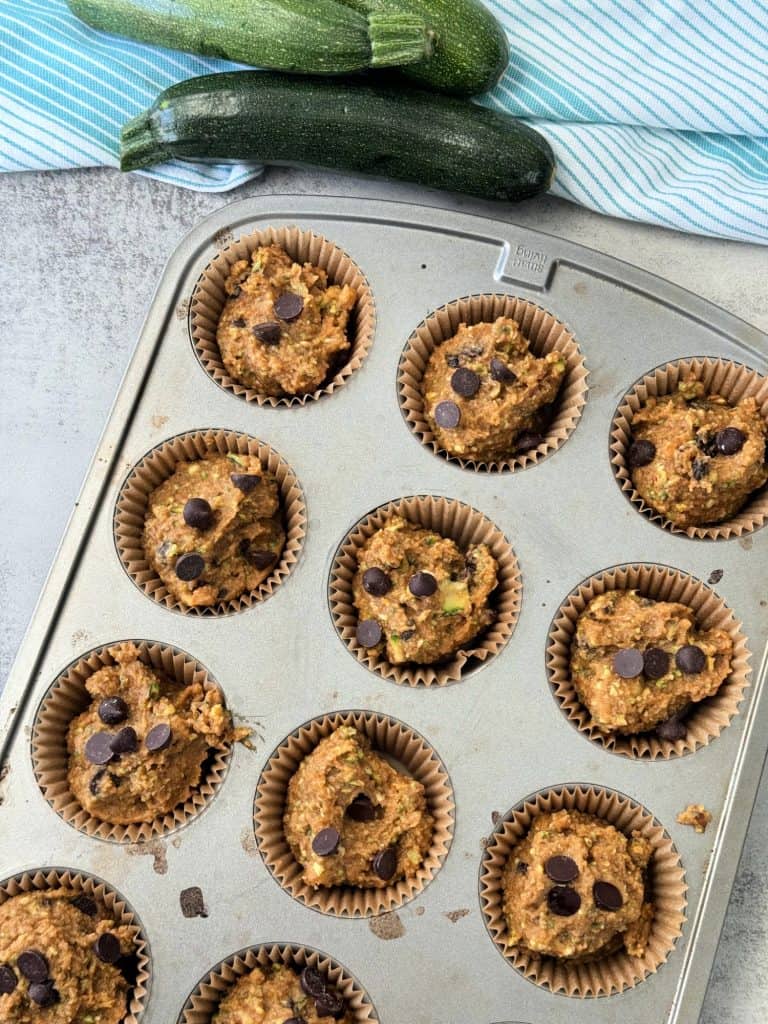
(82, 253)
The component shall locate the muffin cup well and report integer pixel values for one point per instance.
(410, 752)
(101, 892)
(204, 1001)
(68, 698)
(719, 376)
(303, 247)
(157, 466)
(707, 718)
(545, 334)
(465, 526)
(612, 972)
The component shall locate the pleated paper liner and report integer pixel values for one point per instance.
(159, 464)
(202, 1004)
(707, 718)
(303, 247)
(545, 334)
(68, 697)
(104, 894)
(611, 972)
(719, 376)
(465, 526)
(410, 752)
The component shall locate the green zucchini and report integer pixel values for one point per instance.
(412, 134)
(307, 36)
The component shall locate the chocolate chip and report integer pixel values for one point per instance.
(641, 453)
(408, 634)
(376, 582)
(326, 842)
(628, 663)
(113, 710)
(715, 576)
(33, 965)
(8, 980)
(192, 903)
(158, 737)
(369, 633)
(236, 292)
(452, 361)
(190, 566)
(85, 904)
(361, 809)
(655, 663)
(312, 982)
(501, 372)
(527, 441)
(95, 784)
(699, 469)
(198, 514)
(268, 332)
(521, 867)
(289, 306)
(563, 900)
(98, 748)
(245, 482)
(447, 415)
(384, 864)
(691, 660)
(295, 1020)
(43, 993)
(465, 382)
(706, 443)
(607, 896)
(107, 948)
(116, 780)
(259, 558)
(239, 322)
(422, 584)
(330, 1004)
(730, 440)
(126, 741)
(672, 729)
(561, 869)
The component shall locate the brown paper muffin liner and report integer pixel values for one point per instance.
(719, 376)
(203, 1002)
(101, 892)
(159, 464)
(465, 526)
(304, 247)
(411, 753)
(544, 332)
(68, 698)
(611, 972)
(707, 718)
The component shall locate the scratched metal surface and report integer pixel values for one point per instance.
(566, 519)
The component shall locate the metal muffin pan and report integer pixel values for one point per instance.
(499, 732)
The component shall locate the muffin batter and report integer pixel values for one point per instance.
(214, 529)
(697, 816)
(283, 329)
(352, 819)
(277, 995)
(637, 663)
(137, 751)
(695, 458)
(59, 960)
(486, 395)
(418, 593)
(574, 888)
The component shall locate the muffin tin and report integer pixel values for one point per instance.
(500, 732)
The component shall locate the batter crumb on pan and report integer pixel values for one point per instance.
(695, 815)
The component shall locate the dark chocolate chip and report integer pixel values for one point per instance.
(126, 741)
(641, 453)
(607, 896)
(384, 864)
(408, 634)
(113, 710)
(239, 322)
(422, 584)
(98, 748)
(691, 660)
(8, 980)
(330, 1004)
(95, 784)
(84, 904)
(190, 566)
(706, 443)
(672, 729)
(43, 993)
(236, 292)
(465, 382)
(715, 576)
(116, 780)
(561, 869)
(501, 372)
(452, 361)
(730, 440)
(628, 663)
(527, 441)
(326, 842)
(312, 982)
(259, 558)
(699, 468)
(33, 965)
(362, 808)
(107, 948)
(655, 663)
(521, 867)
(245, 482)
(369, 633)
(192, 903)
(376, 582)
(563, 900)
(289, 306)
(158, 737)
(198, 514)
(295, 1020)
(268, 332)
(447, 415)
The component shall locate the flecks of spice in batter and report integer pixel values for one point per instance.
(387, 926)
(156, 850)
(456, 915)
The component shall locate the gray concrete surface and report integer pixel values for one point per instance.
(81, 254)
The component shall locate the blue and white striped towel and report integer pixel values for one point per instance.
(657, 109)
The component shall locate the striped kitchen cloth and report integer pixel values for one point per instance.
(657, 109)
